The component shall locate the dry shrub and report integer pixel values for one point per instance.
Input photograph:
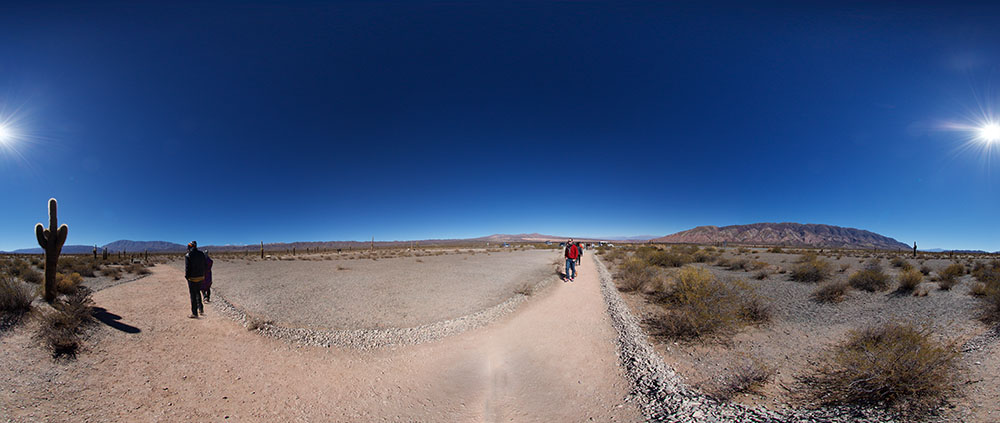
(634, 274)
(811, 268)
(844, 267)
(775, 250)
(895, 364)
(831, 292)
(62, 328)
(67, 284)
(871, 278)
(745, 377)
(925, 270)
(702, 256)
(948, 277)
(909, 279)
(979, 289)
(739, 264)
(762, 274)
(137, 269)
(112, 272)
(898, 262)
(699, 304)
(22, 269)
(525, 289)
(15, 300)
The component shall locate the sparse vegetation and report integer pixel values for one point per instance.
(831, 292)
(895, 364)
(698, 304)
(811, 268)
(634, 274)
(15, 300)
(68, 284)
(61, 329)
(872, 278)
(745, 377)
(909, 279)
(948, 277)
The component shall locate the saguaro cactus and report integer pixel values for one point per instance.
(262, 250)
(51, 240)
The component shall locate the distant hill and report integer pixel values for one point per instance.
(140, 246)
(67, 249)
(786, 234)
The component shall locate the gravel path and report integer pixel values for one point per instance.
(551, 360)
(402, 292)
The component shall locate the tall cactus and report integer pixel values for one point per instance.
(51, 240)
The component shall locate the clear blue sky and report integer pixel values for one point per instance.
(235, 123)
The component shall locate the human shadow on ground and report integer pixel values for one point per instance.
(112, 320)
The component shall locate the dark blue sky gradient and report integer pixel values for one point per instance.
(231, 123)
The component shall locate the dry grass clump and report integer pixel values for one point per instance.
(15, 300)
(844, 267)
(112, 272)
(62, 328)
(871, 278)
(86, 267)
(925, 270)
(698, 304)
(775, 250)
(948, 277)
(746, 377)
(22, 269)
(525, 289)
(762, 274)
(831, 292)
(899, 262)
(988, 288)
(634, 274)
(738, 264)
(895, 364)
(909, 279)
(68, 284)
(811, 268)
(137, 269)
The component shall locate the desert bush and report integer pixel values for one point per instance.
(811, 268)
(898, 262)
(871, 278)
(909, 279)
(844, 267)
(667, 258)
(775, 250)
(895, 364)
(67, 284)
(61, 329)
(722, 261)
(987, 273)
(979, 289)
(925, 270)
(831, 292)
(699, 305)
(948, 277)
(112, 272)
(137, 269)
(745, 377)
(525, 288)
(635, 273)
(762, 274)
(739, 264)
(24, 270)
(15, 299)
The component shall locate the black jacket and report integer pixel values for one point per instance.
(194, 264)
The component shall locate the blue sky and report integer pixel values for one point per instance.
(235, 123)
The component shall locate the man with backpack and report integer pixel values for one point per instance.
(572, 253)
(194, 271)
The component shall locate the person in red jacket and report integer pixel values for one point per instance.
(572, 253)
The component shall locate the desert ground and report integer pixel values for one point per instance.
(800, 328)
(553, 358)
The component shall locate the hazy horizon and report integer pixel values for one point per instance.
(236, 123)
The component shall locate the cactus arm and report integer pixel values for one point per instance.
(40, 234)
(61, 237)
(53, 221)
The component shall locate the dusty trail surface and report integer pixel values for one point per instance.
(552, 360)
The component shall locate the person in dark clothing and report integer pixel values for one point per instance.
(195, 264)
(206, 285)
(579, 257)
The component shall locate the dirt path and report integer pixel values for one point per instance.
(552, 360)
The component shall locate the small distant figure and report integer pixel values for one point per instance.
(579, 247)
(572, 253)
(206, 285)
(194, 272)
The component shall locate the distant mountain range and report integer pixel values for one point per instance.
(786, 234)
(782, 234)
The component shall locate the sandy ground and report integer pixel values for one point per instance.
(552, 360)
(801, 329)
(399, 292)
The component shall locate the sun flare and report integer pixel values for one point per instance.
(990, 132)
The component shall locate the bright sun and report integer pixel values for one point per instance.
(5, 134)
(990, 132)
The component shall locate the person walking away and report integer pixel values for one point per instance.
(206, 285)
(579, 257)
(572, 252)
(194, 272)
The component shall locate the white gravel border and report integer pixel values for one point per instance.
(369, 339)
(664, 397)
